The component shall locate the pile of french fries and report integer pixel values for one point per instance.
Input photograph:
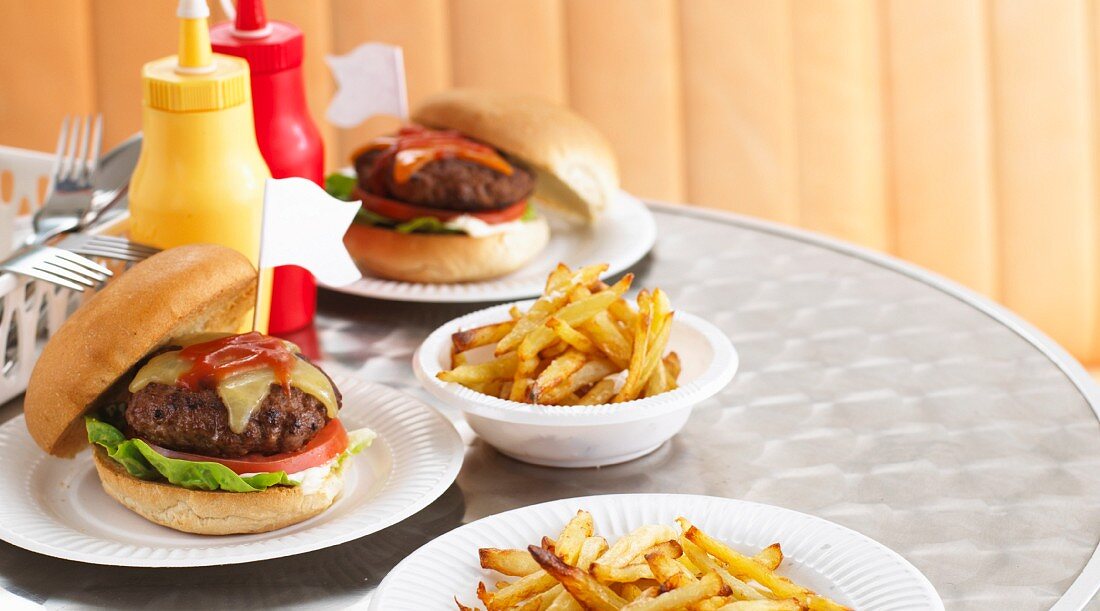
(653, 568)
(581, 343)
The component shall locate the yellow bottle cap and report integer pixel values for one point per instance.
(195, 80)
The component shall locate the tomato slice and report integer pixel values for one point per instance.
(326, 444)
(401, 212)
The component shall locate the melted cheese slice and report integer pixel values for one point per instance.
(242, 392)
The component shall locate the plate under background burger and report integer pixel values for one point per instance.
(456, 196)
(192, 427)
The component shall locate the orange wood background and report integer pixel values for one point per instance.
(958, 134)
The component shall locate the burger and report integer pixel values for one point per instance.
(458, 195)
(192, 426)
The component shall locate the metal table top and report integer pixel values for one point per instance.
(871, 393)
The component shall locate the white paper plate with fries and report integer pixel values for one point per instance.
(655, 552)
(580, 377)
(624, 233)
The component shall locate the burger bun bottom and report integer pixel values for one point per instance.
(445, 258)
(210, 512)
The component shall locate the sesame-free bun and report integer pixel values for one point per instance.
(211, 512)
(574, 164)
(184, 290)
(436, 258)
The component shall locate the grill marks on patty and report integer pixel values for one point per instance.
(449, 184)
(197, 422)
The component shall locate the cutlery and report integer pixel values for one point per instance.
(107, 247)
(70, 196)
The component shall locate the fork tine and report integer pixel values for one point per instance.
(96, 145)
(92, 268)
(111, 254)
(53, 266)
(115, 242)
(59, 154)
(69, 163)
(80, 162)
(48, 277)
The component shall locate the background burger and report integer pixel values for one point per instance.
(192, 426)
(455, 197)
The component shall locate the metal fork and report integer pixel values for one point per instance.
(70, 196)
(56, 266)
(108, 247)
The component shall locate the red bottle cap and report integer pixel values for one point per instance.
(269, 46)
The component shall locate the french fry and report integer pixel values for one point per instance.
(556, 375)
(771, 556)
(498, 368)
(621, 574)
(481, 336)
(462, 607)
(573, 536)
(643, 327)
(591, 549)
(525, 370)
(511, 562)
(682, 597)
(762, 605)
(569, 335)
(672, 364)
(520, 590)
(591, 372)
(703, 560)
(600, 393)
(622, 312)
(533, 319)
(664, 568)
(608, 338)
(564, 602)
(741, 564)
(575, 313)
(515, 313)
(639, 540)
(589, 592)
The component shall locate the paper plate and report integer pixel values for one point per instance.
(828, 558)
(57, 507)
(623, 235)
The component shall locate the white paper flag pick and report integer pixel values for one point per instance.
(369, 81)
(305, 226)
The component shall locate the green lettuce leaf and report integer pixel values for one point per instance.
(144, 462)
(340, 186)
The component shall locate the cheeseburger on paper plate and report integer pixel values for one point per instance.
(455, 196)
(192, 426)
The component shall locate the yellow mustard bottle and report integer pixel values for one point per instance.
(200, 177)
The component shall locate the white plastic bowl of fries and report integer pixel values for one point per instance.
(579, 377)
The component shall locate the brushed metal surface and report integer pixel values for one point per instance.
(869, 394)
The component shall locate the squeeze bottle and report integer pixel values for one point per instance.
(200, 176)
(288, 138)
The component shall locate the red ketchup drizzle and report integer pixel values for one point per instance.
(215, 360)
(414, 146)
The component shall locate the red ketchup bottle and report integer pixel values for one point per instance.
(288, 138)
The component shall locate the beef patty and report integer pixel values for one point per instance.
(450, 184)
(196, 421)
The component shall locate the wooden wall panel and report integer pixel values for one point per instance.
(420, 27)
(624, 75)
(43, 80)
(839, 118)
(1045, 166)
(960, 134)
(126, 34)
(739, 107)
(938, 103)
(509, 45)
